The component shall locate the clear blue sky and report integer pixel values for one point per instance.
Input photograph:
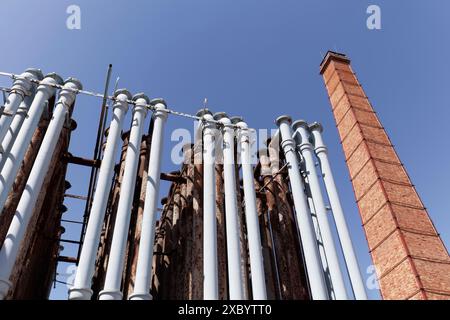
(255, 58)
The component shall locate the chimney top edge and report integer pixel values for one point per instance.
(332, 55)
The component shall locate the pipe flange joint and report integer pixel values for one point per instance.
(283, 118)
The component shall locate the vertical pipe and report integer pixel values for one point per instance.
(111, 290)
(231, 213)
(14, 128)
(323, 256)
(305, 225)
(344, 235)
(306, 149)
(145, 256)
(210, 261)
(16, 231)
(21, 88)
(14, 158)
(81, 289)
(254, 238)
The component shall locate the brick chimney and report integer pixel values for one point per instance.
(411, 259)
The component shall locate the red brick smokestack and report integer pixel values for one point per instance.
(411, 259)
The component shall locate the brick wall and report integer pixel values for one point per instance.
(411, 260)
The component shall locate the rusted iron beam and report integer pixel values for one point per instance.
(173, 177)
(67, 259)
(82, 161)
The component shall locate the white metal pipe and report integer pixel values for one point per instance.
(323, 256)
(309, 243)
(21, 88)
(81, 289)
(210, 260)
(111, 289)
(253, 232)
(14, 159)
(14, 129)
(235, 281)
(351, 261)
(306, 149)
(24, 211)
(142, 281)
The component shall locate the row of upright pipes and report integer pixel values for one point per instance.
(300, 143)
(16, 131)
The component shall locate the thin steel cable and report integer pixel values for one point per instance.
(112, 98)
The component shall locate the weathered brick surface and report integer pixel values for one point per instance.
(411, 259)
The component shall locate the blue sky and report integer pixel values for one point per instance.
(255, 58)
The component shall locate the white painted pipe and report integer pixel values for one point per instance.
(14, 158)
(323, 256)
(253, 233)
(306, 149)
(235, 280)
(309, 243)
(351, 261)
(24, 211)
(14, 129)
(143, 278)
(113, 279)
(210, 260)
(81, 289)
(21, 88)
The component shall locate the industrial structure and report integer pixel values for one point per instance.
(236, 224)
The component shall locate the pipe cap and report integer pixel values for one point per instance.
(283, 118)
(219, 115)
(123, 91)
(316, 126)
(202, 112)
(236, 119)
(36, 72)
(55, 77)
(74, 81)
(299, 123)
(158, 100)
(141, 95)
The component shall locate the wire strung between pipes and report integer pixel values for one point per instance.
(112, 98)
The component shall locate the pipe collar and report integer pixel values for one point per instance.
(80, 293)
(110, 295)
(141, 296)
